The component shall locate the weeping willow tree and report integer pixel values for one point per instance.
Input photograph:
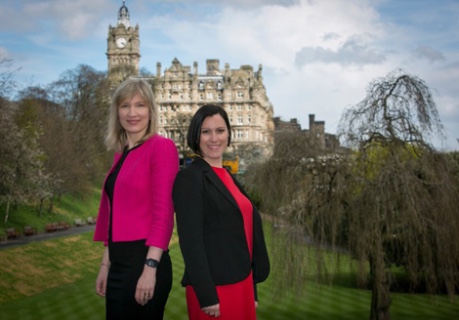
(391, 200)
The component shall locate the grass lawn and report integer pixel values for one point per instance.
(55, 280)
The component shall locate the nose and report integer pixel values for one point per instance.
(213, 136)
(131, 111)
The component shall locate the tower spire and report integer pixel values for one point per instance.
(123, 15)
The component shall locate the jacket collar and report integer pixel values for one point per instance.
(210, 175)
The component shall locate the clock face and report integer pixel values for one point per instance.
(120, 42)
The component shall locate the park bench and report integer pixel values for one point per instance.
(29, 231)
(51, 227)
(63, 225)
(11, 233)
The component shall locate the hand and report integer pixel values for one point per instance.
(213, 311)
(256, 304)
(145, 286)
(101, 281)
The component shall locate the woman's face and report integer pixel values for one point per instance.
(134, 116)
(214, 140)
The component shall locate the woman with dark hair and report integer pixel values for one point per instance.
(136, 214)
(220, 230)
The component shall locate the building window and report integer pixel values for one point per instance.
(249, 118)
(240, 94)
(240, 119)
(201, 97)
(239, 107)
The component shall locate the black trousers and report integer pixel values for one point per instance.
(127, 260)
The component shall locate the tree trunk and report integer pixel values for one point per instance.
(40, 209)
(380, 294)
(7, 211)
(51, 204)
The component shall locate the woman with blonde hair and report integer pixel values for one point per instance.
(135, 219)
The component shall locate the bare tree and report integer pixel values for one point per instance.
(7, 83)
(180, 123)
(84, 94)
(390, 201)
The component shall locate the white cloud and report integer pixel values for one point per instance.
(318, 56)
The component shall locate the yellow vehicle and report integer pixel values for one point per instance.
(232, 165)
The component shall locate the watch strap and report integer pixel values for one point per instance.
(152, 263)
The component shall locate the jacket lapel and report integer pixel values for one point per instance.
(212, 177)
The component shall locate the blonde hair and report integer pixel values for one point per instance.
(116, 138)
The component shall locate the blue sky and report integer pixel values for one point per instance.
(318, 56)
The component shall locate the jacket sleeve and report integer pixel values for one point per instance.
(165, 164)
(188, 203)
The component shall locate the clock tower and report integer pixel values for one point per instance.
(123, 47)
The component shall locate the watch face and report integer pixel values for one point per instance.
(120, 42)
(152, 263)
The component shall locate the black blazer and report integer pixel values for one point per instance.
(211, 234)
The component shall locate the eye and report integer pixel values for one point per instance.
(205, 131)
(125, 105)
(221, 130)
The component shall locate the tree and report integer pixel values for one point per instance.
(21, 161)
(390, 200)
(84, 95)
(404, 211)
(180, 122)
(21, 164)
(7, 83)
(36, 111)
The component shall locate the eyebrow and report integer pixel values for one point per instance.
(222, 127)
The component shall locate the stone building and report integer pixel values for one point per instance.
(325, 141)
(181, 90)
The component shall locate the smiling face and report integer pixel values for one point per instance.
(213, 140)
(134, 116)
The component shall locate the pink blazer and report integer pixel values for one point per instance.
(142, 200)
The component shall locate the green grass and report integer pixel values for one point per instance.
(67, 208)
(55, 279)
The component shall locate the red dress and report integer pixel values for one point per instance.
(237, 300)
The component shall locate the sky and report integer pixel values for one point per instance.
(318, 56)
